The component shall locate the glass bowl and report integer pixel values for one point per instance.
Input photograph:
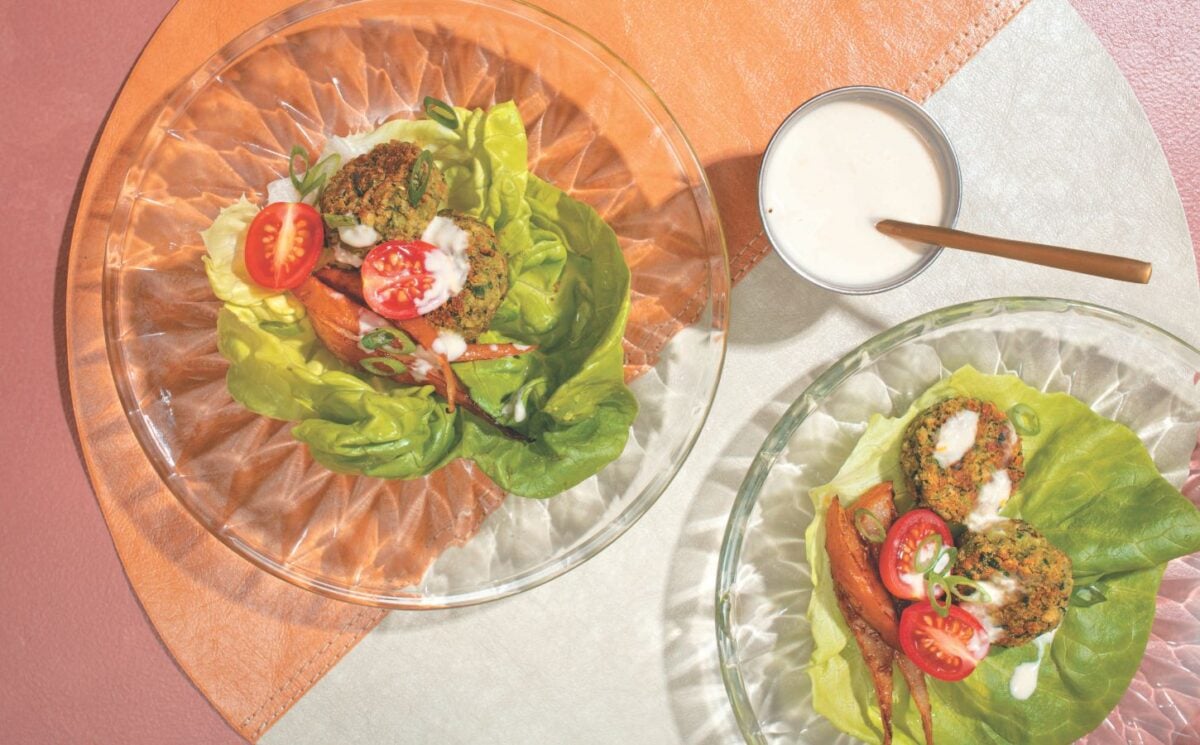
(328, 68)
(1123, 367)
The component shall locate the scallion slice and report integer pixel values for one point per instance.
(339, 221)
(1086, 597)
(869, 525)
(1025, 420)
(441, 112)
(311, 177)
(920, 565)
(418, 177)
(383, 366)
(386, 338)
(977, 592)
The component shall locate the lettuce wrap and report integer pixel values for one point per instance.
(1093, 490)
(568, 295)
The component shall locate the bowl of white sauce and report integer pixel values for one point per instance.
(841, 162)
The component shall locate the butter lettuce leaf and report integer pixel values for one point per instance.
(569, 295)
(1093, 490)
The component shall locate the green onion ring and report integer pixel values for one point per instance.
(386, 338)
(394, 367)
(1025, 420)
(980, 595)
(942, 605)
(297, 150)
(441, 112)
(869, 525)
(1086, 597)
(922, 567)
(418, 177)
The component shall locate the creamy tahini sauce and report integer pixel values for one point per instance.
(283, 190)
(955, 437)
(450, 345)
(369, 320)
(515, 408)
(1024, 678)
(358, 236)
(834, 172)
(990, 499)
(424, 362)
(448, 267)
(997, 592)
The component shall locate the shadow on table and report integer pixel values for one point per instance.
(701, 709)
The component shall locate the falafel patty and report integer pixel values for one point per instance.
(950, 487)
(1032, 576)
(470, 311)
(373, 188)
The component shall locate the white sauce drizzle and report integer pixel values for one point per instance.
(914, 582)
(991, 499)
(424, 363)
(1025, 676)
(342, 256)
(448, 267)
(997, 591)
(283, 190)
(358, 236)
(955, 437)
(347, 148)
(450, 345)
(514, 407)
(994, 631)
(369, 320)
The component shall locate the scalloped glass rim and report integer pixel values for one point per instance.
(806, 403)
(717, 304)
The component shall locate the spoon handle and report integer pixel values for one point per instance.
(1071, 259)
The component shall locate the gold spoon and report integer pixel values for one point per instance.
(1071, 259)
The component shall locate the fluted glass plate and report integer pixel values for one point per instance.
(1122, 367)
(332, 68)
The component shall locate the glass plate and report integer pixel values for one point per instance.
(327, 68)
(1123, 367)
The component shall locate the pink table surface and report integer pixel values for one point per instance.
(81, 663)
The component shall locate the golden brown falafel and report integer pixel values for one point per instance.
(951, 491)
(373, 189)
(1032, 575)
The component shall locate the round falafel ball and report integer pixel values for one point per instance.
(373, 189)
(470, 312)
(951, 489)
(1032, 577)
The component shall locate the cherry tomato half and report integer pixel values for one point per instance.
(947, 647)
(898, 554)
(284, 244)
(395, 278)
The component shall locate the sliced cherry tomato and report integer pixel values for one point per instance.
(395, 277)
(898, 554)
(284, 244)
(947, 647)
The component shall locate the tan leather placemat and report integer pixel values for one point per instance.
(729, 70)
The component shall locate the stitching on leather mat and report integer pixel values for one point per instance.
(371, 616)
(989, 31)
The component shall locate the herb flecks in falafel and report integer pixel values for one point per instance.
(952, 490)
(1029, 574)
(469, 313)
(373, 189)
